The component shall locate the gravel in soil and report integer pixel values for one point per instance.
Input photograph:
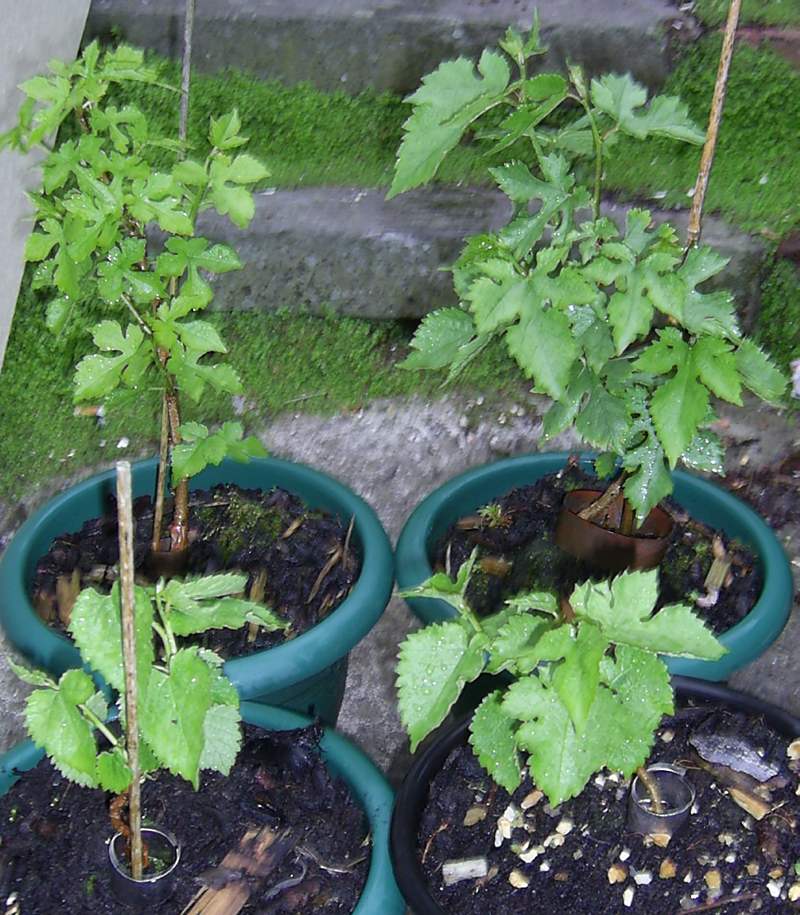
(514, 536)
(581, 858)
(303, 560)
(53, 834)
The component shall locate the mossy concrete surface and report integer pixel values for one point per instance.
(388, 44)
(353, 251)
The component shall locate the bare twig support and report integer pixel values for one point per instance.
(126, 575)
(714, 119)
(170, 413)
(186, 70)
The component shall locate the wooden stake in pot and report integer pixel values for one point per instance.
(126, 573)
(714, 119)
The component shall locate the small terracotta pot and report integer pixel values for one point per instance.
(609, 550)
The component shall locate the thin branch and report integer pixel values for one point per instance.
(163, 455)
(126, 574)
(186, 71)
(714, 119)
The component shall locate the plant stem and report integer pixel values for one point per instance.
(596, 508)
(170, 412)
(714, 119)
(163, 456)
(126, 573)
(652, 789)
(100, 725)
(179, 528)
(598, 155)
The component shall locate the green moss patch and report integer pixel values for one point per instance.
(287, 363)
(778, 326)
(757, 166)
(761, 12)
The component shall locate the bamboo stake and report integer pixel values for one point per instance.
(126, 573)
(714, 119)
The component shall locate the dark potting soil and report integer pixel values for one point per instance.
(723, 860)
(518, 553)
(53, 834)
(271, 536)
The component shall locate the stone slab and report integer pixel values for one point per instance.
(351, 251)
(389, 44)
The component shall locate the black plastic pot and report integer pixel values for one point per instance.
(413, 793)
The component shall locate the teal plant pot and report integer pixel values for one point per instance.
(306, 674)
(370, 790)
(703, 500)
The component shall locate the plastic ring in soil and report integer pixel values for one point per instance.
(141, 894)
(677, 795)
(706, 502)
(369, 788)
(412, 794)
(306, 674)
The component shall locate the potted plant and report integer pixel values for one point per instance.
(576, 784)
(613, 323)
(176, 711)
(112, 228)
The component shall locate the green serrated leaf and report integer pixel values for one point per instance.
(678, 407)
(542, 345)
(515, 638)
(433, 667)
(705, 453)
(30, 674)
(449, 100)
(97, 631)
(623, 611)
(54, 723)
(223, 738)
(113, 772)
(577, 677)
(716, 366)
(173, 713)
(759, 373)
(491, 735)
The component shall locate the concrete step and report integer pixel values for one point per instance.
(352, 251)
(388, 44)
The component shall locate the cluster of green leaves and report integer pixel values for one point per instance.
(100, 204)
(188, 710)
(587, 692)
(611, 323)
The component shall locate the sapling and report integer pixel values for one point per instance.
(614, 324)
(113, 228)
(587, 684)
(187, 709)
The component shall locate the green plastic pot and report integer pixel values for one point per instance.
(703, 500)
(306, 674)
(370, 790)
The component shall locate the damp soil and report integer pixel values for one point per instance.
(723, 860)
(517, 553)
(53, 834)
(303, 561)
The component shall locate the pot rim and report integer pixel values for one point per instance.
(369, 786)
(745, 641)
(413, 791)
(290, 662)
